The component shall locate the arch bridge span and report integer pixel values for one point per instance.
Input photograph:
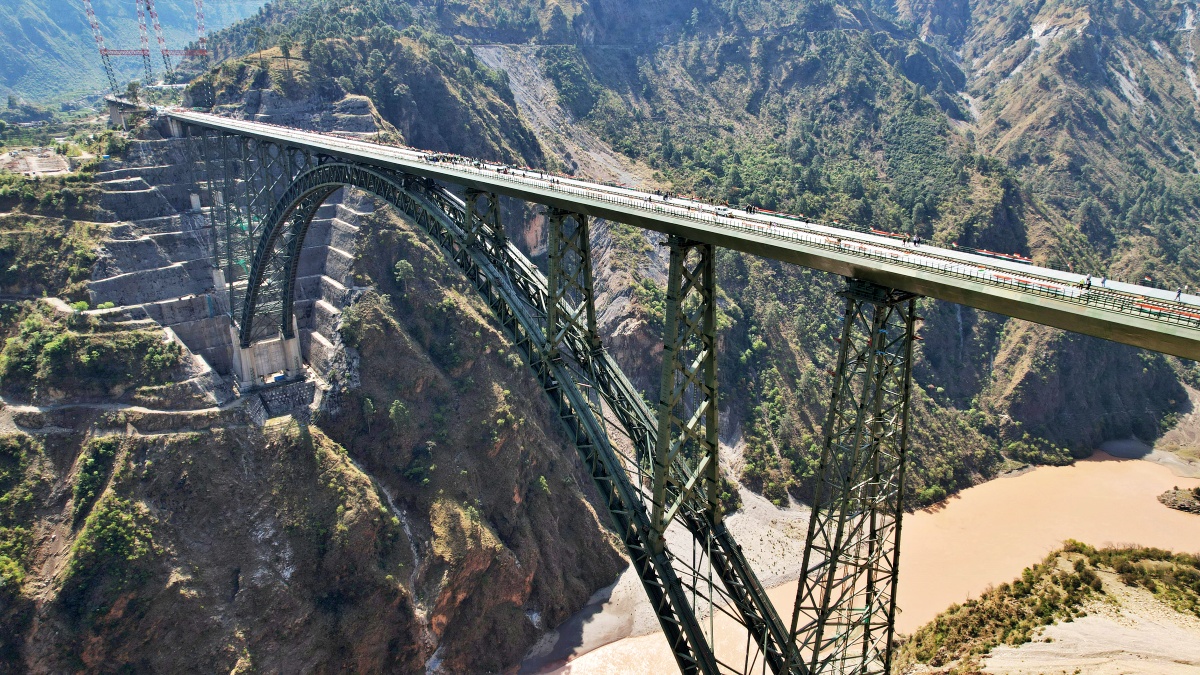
(656, 467)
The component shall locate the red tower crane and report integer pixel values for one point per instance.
(162, 44)
(201, 36)
(145, 39)
(144, 7)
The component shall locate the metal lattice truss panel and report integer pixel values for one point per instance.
(685, 457)
(483, 217)
(257, 227)
(845, 602)
(572, 302)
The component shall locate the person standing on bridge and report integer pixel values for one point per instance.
(1178, 294)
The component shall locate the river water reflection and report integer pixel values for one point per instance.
(985, 536)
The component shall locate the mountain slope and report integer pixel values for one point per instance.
(836, 112)
(47, 51)
(856, 112)
(432, 507)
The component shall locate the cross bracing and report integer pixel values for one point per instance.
(656, 467)
(845, 602)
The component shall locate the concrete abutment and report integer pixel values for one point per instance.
(157, 265)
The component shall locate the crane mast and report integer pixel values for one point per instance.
(104, 59)
(162, 44)
(201, 38)
(145, 39)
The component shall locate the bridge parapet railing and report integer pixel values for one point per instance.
(1165, 311)
(1118, 301)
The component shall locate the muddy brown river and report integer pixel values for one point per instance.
(985, 536)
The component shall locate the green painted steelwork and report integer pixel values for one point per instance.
(488, 214)
(687, 592)
(668, 478)
(664, 478)
(571, 306)
(687, 404)
(517, 294)
(843, 620)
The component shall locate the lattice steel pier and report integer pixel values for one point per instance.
(846, 600)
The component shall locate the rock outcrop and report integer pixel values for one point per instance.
(1187, 501)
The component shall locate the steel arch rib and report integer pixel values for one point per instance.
(433, 214)
(326, 178)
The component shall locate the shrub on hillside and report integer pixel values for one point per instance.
(111, 556)
(17, 489)
(97, 463)
(1045, 593)
(49, 352)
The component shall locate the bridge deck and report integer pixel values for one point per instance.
(1127, 313)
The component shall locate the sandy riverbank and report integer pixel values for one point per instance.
(984, 536)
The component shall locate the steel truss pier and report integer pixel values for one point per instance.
(688, 429)
(845, 602)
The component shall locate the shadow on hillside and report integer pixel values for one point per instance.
(1127, 448)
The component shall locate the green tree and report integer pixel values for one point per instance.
(735, 177)
(398, 412)
(404, 272)
(260, 39)
(558, 29)
(285, 48)
(132, 90)
(919, 213)
(368, 409)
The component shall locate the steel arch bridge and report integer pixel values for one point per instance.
(656, 469)
(552, 322)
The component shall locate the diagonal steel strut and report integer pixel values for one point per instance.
(845, 603)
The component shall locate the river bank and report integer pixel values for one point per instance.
(983, 536)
